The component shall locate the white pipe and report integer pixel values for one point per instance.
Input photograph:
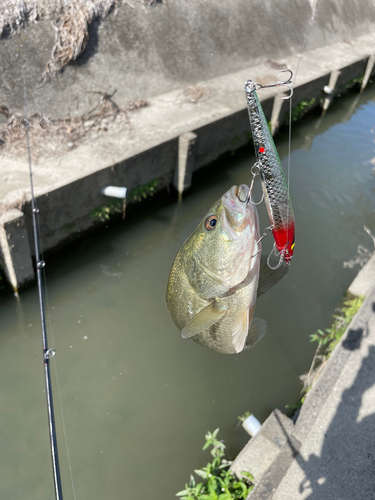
(115, 192)
(252, 425)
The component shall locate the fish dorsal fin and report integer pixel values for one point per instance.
(257, 330)
(203, 320)
(269, 277)
(240, 333)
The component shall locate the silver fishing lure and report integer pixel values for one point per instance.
(268, 165)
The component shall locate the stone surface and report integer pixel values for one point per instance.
(15, 249)
(368, 72)
(142, 53)
(263, 448)
(364, 279)
(336, 459)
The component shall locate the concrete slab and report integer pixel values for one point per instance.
(148, 52)
(336, 459)
(169, 116)
(15, 249)
(265, 446)
(364, 279)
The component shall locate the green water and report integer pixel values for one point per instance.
(138, 399)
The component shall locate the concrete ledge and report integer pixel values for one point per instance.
(265, 446)
(364, 280)
(273, 476)
(15, 249)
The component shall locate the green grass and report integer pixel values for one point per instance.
(327, 340)
(104, 212)
(330, 337)
(68, 227)
(219, 483)
(351, 83)
(301, 109)
(143, 192)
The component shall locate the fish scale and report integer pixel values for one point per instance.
(276, 195)
(212, 286)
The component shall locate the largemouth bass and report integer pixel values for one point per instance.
(212, 286)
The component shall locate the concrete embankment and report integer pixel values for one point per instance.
(178, 132)
(329, 451)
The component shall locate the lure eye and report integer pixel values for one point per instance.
(211, 222)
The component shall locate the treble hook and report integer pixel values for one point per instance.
(255, 166)
(279, 84)
(267, 232)
(280, 255)
(249, 196)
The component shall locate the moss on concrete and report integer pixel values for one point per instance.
(301, 109)
(104, 212)
(143, 192)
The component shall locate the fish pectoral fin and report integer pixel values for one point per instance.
(240, 333)
(269, 277)
(203, 320)
(257, 330)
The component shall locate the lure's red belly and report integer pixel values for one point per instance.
(284, 239)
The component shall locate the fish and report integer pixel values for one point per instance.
(213, 283)
(276, 193)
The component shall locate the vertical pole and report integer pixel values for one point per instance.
(47, 353)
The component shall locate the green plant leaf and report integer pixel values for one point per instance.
(212, 485)
(243, 417)
(225, 496)
(182, 493)
(248, 475)
(198, 489)
(201, 473)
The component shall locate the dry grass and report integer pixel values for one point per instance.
(72, 17)
(194, 93)
(48, 136)
(71, 32)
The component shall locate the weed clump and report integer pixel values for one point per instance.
(328, 339)
(219, 482)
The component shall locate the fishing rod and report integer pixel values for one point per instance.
(47, 353)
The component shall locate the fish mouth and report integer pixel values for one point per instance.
(234, 202)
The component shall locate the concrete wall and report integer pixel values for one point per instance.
(143, 53)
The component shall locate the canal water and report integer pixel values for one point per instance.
(137, 399)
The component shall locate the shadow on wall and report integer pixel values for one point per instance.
(345, 469)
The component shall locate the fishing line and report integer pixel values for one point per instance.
(58, 388)
(310, 23)
(50, 329)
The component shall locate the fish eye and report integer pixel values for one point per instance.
(211, 222)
